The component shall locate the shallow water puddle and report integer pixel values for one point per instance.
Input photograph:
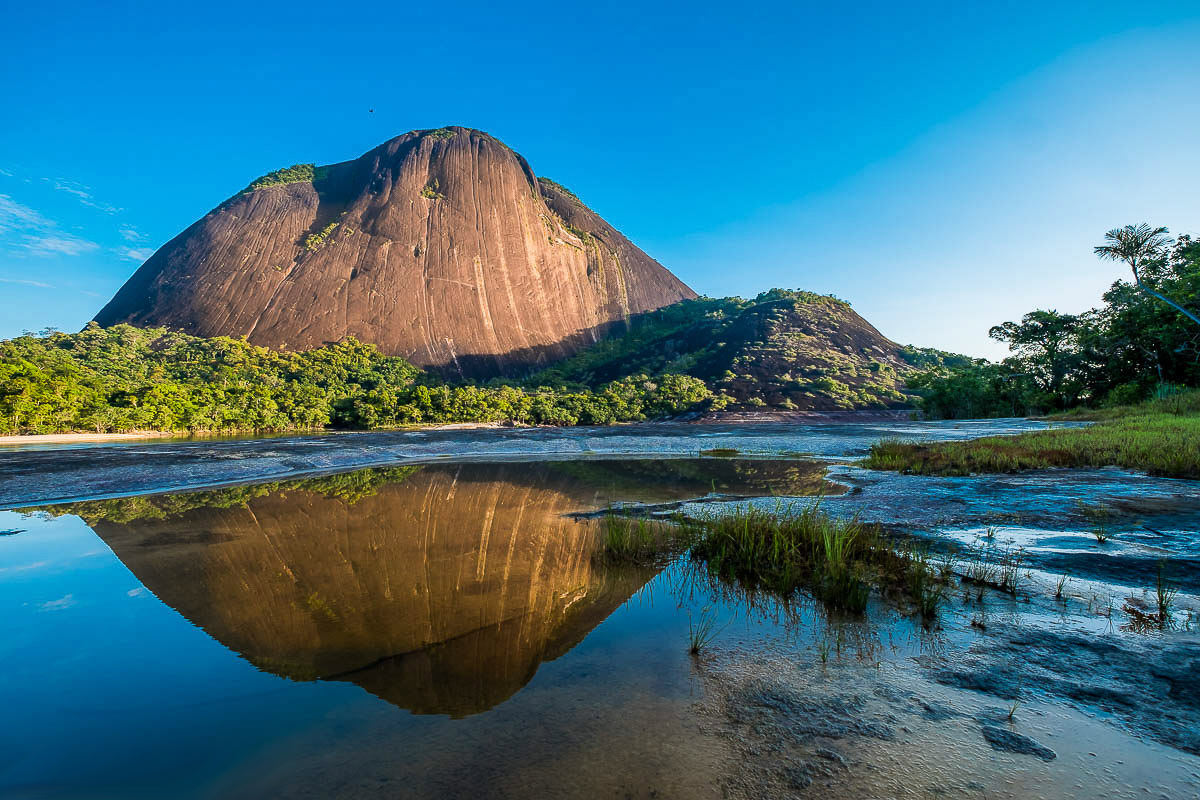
(443, 630)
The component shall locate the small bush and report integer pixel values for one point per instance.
(315, 241)
(430, 191)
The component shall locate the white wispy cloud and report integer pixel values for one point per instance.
(28, 230)
(77, 189)
(24, 282)
(65, 244)
(66, 601)
(13, 216)
(84, 195)
(135, 253)
(5, 172)
(132, 234)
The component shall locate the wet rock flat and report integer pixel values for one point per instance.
(1149, 683)
(883, 721)
(36, 475)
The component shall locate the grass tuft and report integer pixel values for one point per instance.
(838, 561)
(625, 540)
(784, 552)
(701, 633)
(1165, 592)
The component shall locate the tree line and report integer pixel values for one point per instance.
(125, 378)
(1142, 342)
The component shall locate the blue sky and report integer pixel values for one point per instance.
(944, 167)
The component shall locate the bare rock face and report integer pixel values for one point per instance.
(440, 246)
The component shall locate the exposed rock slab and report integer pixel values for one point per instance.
(439, 246)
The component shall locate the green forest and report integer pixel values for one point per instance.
(698, 355)
(125, 378)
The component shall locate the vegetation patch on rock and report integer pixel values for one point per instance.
(297, 173)
(315, 241)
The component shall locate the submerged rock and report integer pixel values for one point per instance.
(1012, 742)
(795, 716)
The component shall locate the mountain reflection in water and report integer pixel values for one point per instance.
(439, 589)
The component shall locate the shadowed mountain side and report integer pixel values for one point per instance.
(440, 246)
(441, 594)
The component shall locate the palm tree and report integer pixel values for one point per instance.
(1135, 245)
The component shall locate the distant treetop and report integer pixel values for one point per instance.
(560, 188)
(799, 295)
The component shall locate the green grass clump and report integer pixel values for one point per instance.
(995, 567)
(926, 581)
(624, 540)
(721, 452)
(784, 553)
(1165, 593)
(701, 633)
(1161, 437)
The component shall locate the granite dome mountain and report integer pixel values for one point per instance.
(441, 246)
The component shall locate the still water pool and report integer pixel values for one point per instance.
(443, 630)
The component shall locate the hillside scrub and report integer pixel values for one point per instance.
(781, 349)
(125, 378)
(1161, 437)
